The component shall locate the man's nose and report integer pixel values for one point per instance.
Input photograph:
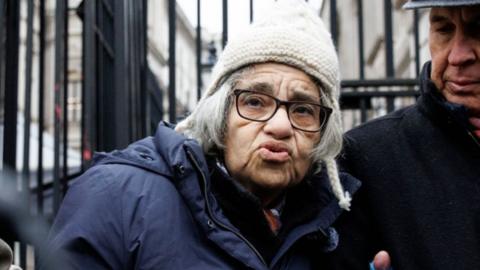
(279, 125)
(462, 51)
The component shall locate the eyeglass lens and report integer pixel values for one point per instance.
(261, 107)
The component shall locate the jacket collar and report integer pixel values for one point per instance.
(318, 229)
(160, 154)
(436, 106)
(182, 160)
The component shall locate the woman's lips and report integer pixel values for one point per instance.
(274, 152)
(272, 156)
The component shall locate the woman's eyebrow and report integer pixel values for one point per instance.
(297, 94)
(304, 96)
(263, 87)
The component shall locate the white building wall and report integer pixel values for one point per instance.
(186, 78)
(374, 43)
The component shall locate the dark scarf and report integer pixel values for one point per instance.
(245, 212)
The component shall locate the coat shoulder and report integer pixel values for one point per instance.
(384, 123)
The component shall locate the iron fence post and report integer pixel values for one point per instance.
(224, 22)
(11, 83)
(41, 91)
(171, 61)
(389, 63)
(28, 102)
(58, 91)
(361, 49)
(417, 42)
(89, 102)
(251, 11)
(199, 51)
(333, 22)
(64, 182)
(3, 4)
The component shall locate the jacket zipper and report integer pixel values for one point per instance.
(210, 212)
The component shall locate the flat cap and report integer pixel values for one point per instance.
(412, 4)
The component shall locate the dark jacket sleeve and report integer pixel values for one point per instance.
(358, 237)
(87, 232)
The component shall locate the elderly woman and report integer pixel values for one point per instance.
(247, 181)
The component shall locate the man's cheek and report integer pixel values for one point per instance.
(436, 75)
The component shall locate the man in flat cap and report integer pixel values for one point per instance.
(420, 166)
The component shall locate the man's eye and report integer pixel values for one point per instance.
(444, 29)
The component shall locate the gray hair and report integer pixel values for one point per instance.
(208, 125)
(208, 121)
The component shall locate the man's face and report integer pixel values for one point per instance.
(455, 49)
(268, 157)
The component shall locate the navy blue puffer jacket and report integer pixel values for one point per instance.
(150, 207)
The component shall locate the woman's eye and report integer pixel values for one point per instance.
(304, 110)
(253, 102)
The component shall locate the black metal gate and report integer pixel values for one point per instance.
(121, 100)
(113, 96)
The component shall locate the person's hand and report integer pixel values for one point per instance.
(381, 261)
(475, 121)
(6, 255)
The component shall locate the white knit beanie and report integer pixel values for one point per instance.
(289, 32)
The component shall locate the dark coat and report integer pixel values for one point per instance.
(420, 196)
(150, 206)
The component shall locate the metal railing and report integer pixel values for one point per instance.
(120, 98)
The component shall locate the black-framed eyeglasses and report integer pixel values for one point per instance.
(261, 107)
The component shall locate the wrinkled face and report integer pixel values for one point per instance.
(455, 49)
(268, 157)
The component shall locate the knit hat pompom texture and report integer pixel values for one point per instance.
(288, 32)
